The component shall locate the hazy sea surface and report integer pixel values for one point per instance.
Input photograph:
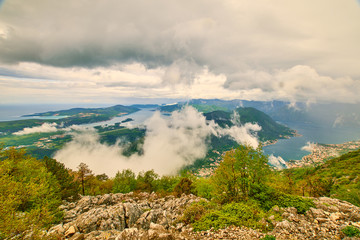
(288, 149)
(138, 118)
(14, 112)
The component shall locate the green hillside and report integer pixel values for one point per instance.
(270, 130)
(74, 116)
(113, 111)
(338, 178)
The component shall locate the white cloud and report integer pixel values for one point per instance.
(243, 134)
(169, 144)
(339, 121)
(309, 147)
(44, 128)
(280, 50)
(298, 84)
(51, 127)
(277, 162)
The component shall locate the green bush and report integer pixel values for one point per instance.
(29, 195)
(124, 181)
(269, 197)
(264, 195)
(351, 231)
(166, 184)
(184, 186)
(196, 210)
(300, 203)
(204, 188)
(268, 237)
(246, 214)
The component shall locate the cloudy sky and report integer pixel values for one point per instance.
(90, 51)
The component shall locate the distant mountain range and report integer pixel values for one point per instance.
(330, 114)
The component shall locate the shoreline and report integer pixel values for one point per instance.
(323, 152)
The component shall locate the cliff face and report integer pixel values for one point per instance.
(147, 216)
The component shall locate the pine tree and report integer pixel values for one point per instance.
(84, 173)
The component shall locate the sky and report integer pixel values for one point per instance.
(110, 51)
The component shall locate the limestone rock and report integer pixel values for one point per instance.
(71, 231)
(147, 216)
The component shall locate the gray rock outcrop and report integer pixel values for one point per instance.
(148, 216)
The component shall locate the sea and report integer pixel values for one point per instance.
(291, 149)
(288, 149)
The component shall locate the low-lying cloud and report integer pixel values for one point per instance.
(309, 147)
(277, 162)
(50, 127)
(169, 144)
(44, 128)
(241, 133)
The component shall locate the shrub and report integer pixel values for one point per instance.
(204, 188)
(166, 184)
(196, 210)
(184, 186)
(300, 203)
(268, 237)
(124, 181)
(246, 214)
(351, 231)
(269, 197)
(146, 181)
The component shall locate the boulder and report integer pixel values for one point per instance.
(71, 231)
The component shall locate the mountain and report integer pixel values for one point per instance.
(73, 116)
(110, 111)
(270, 130)
(337, 177)
(145, 105)
(172, 107)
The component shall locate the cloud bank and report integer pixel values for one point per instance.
(44, 128)
(51, 127)
(169, 144)
(251, 50)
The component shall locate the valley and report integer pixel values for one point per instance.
(124, 126)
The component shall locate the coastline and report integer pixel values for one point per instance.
(322, 152)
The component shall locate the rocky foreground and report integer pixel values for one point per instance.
(147, 216)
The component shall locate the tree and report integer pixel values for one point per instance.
(184, 186)
(68, 186)
(240, 169)
(102, 177)
(146, 181)
(29, 194)
(166, 184)
(84, 173)
(124, 181)
(204, 188)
